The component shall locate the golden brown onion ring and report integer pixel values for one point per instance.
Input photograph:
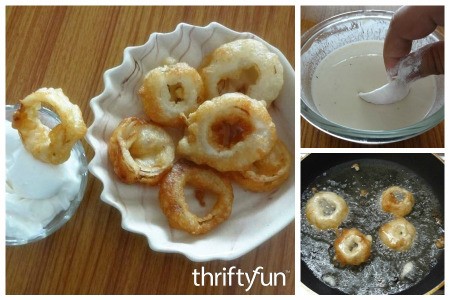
(397, 201)
(245, 66)
(397, 234)
(352, 247)
(49, 145)
(228, 133)
(173, 202)
(140, 151)
(267, 173)
(170, 93)
(326, 210)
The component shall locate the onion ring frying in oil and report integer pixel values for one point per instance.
(140, 151)
(45, 144)
(326, 210)
(397, 201)
(267, 173)
(228, 133)
(398, 234)
(173, 202)
(245, 66)
(170, 93)
(352, 247)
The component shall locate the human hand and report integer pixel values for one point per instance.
(410, 23)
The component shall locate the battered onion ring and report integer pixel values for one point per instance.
(140, 151)
(398, 234)
(352, 247)
(173, 202)
(397, 201)
(326, 210)
(45, 144)
(245, 66)
(267, 173)
(170, 93)
(228, 133)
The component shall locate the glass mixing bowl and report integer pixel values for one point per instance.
(337, 32)
(50, 119)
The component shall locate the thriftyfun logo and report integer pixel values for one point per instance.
(232, 276)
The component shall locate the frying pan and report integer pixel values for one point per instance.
(428, 166)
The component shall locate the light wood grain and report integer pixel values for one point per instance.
(71, 48)
(311, 137)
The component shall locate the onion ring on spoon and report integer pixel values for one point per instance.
(173, 202)
(228, 133)
(45, 144)
(140, 151)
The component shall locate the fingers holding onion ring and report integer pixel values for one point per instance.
(245, 66)
(173, 201)
(267, 173)
(228, 133)
(170, 93)
(140, 151)
(45, 144)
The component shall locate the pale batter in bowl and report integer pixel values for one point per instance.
(359, 67)
(362, 122)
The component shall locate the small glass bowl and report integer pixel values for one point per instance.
(340, 30)
(50, 119)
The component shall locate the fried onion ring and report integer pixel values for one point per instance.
(397, 234)
(352, 247)
(140, 151)
(326, 210)
(170, 93)
(267, 173)
(397, 201)
(173, 202)
(228, 133)
(245, 66)
(45, 144)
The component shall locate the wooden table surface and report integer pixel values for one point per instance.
(311, 137)
(71, 48)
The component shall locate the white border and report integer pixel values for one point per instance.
(298, 5)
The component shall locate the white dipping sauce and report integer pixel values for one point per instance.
(359, 67)
(35, 191)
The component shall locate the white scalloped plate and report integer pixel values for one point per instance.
(255, 216)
